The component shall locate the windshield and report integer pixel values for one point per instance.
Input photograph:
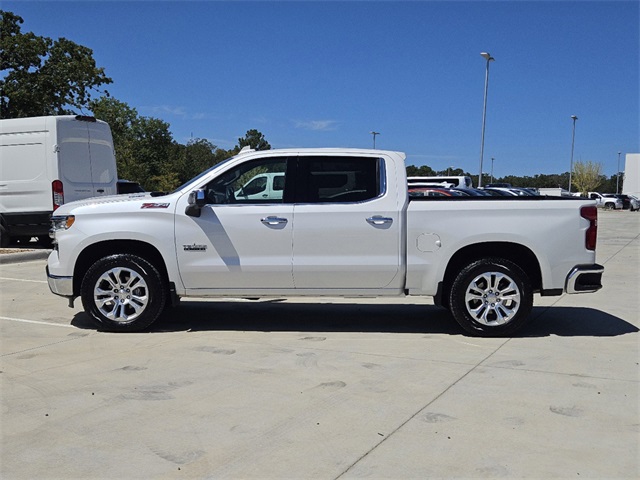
(194, 179)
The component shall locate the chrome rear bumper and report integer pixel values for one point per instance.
(584, 279)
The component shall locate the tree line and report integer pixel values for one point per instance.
(42, 76)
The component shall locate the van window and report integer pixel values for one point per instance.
(278, 182)
(102, 163)
(339, 179)
(75, 165)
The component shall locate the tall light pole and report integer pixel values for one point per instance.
(492, 159)
(489, 58)
(618, 175)
(374, 138)
(573, 138)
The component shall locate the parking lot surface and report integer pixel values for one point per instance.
(322, 388)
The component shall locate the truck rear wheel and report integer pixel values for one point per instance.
(123, 293)
(491, 297)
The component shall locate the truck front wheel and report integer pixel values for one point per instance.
(491, 297)
(123, 293)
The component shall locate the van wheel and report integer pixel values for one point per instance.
(123, 293)
(492, 297)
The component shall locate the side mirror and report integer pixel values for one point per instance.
(197, 200)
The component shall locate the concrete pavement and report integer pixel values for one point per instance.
(321, 388)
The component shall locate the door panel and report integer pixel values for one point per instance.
(339, 248)
(347, 234)
(237, 242)
(236, 247)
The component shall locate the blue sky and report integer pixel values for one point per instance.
(315, 74)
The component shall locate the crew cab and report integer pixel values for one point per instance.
(343, 226)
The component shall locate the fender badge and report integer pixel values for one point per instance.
(195, 248)
(155, 205)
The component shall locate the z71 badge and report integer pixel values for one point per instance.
(195, 248)
(155, 205)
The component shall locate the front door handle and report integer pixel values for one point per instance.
(380, 220)
(272, 221)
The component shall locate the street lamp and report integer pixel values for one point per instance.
(492, 159)
(573, 138)
(449, 170)
(489, 58)
(618, 175)
(374, 138)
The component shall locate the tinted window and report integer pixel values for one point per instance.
(249, 183)
(339, 179)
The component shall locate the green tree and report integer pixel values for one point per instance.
(254, 139)
(422, 171)
(587, 176)
(153, 149)
(145, 149)
(196, 156)
(41, 76)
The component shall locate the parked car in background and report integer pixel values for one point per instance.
(512, 191)
(626, 201)
(608, 201)
(432, 192)
(498, 192)
(469, 192)
(498, 185)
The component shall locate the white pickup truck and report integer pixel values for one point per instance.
(341, 226)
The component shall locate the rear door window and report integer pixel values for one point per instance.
(338, 179)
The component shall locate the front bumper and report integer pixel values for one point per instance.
(584, 279)
(62, 286)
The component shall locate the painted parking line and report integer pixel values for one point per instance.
(22, 320)
(22, 280)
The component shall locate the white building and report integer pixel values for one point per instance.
(631, 182)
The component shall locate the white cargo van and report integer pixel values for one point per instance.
(47, 161)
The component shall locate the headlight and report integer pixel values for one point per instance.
(61, 222)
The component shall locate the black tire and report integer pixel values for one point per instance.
(123, 293)
(491, 297)
(608, 206)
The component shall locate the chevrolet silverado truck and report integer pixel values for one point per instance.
(341, 225)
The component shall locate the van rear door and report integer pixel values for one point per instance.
(87, 166)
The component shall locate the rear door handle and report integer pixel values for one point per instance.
(100, 190)
(380, 220)
(274, 221)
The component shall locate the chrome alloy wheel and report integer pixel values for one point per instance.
(492, 298)
(121, 294)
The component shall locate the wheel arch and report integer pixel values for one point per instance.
(516, 253)
(112, 247)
